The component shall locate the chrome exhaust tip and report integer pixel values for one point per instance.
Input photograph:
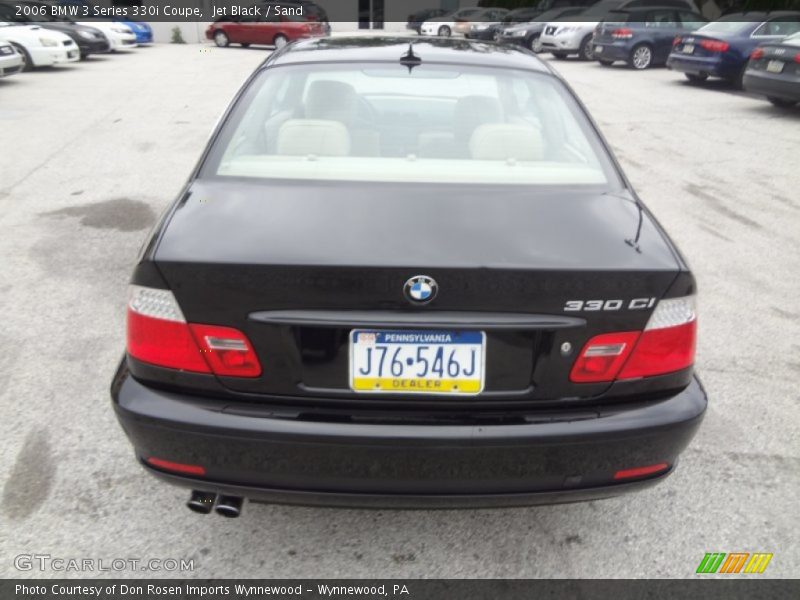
(229, 506)
(201, 502)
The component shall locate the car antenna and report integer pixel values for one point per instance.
(634, 243)
(409, 59)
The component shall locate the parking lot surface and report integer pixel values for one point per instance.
(93, 152)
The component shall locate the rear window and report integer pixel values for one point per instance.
(724, 27)
(617, 17)
(382, 122)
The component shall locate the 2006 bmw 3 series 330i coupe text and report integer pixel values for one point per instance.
(408, 276)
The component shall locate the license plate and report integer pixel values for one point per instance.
(688, 48)
(775, 66)
(417, 362)
(598, 49)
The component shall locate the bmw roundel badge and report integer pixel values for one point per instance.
(421, 289)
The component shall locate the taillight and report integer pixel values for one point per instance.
(227, 350)
(158, 334)
(623, 33)
(603, 356)
(676, 41)
(757, 53)
(715, 45)
(667, 342)
(666, 345)
(797, 58)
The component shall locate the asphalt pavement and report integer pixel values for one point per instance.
(91, 153)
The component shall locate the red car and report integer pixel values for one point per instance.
(271, 30)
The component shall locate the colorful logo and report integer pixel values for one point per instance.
(734, 562)
(421, 289)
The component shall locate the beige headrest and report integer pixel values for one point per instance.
(333, 100)
(301, 137)
(505, 141)
(472, 111)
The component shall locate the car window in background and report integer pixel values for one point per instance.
(690, 20)
(661, 18)
(725, 27)
(616, 16)
(601, 8)
(435, 124)
(780, 27)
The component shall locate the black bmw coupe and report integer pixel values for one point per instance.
(408, 273)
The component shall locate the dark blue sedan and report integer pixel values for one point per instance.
(642, 36)
(722, 48)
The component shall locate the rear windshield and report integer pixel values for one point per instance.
(724, 27)
(617, 17)
(436, 124)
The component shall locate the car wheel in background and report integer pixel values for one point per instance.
(279, 41)
(641, 57)
(84, 56)
(245, 45)
(531, 42)
(27, 64)
(586, 51)
(694, 78)
(606, 63)
(444, 31)
(221, 39)
(559, 55)
(782, 102)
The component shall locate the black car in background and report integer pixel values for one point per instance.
(642, 37)
(527, 34)
(774, 71)
(408, 277)
(89, 40)
(415, 20)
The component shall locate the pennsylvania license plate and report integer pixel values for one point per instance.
(775, 66)
(688, 48)
(425, 362)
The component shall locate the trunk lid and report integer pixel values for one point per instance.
(507, 261)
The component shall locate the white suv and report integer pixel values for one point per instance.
(562, 38)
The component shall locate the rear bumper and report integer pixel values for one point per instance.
(253, 452)
(612, 50)
(714, 66)
(768, 84)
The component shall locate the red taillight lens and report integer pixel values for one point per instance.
(676, 41)
(661, 351)
(666, 345)
(623, 33)
(757, 53)
(715, 45)
(158, 334)
(603, 356)
(797, 58)
(168, 465)
(227, 350)
(637, 472)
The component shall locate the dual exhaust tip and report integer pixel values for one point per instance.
(203, 502)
